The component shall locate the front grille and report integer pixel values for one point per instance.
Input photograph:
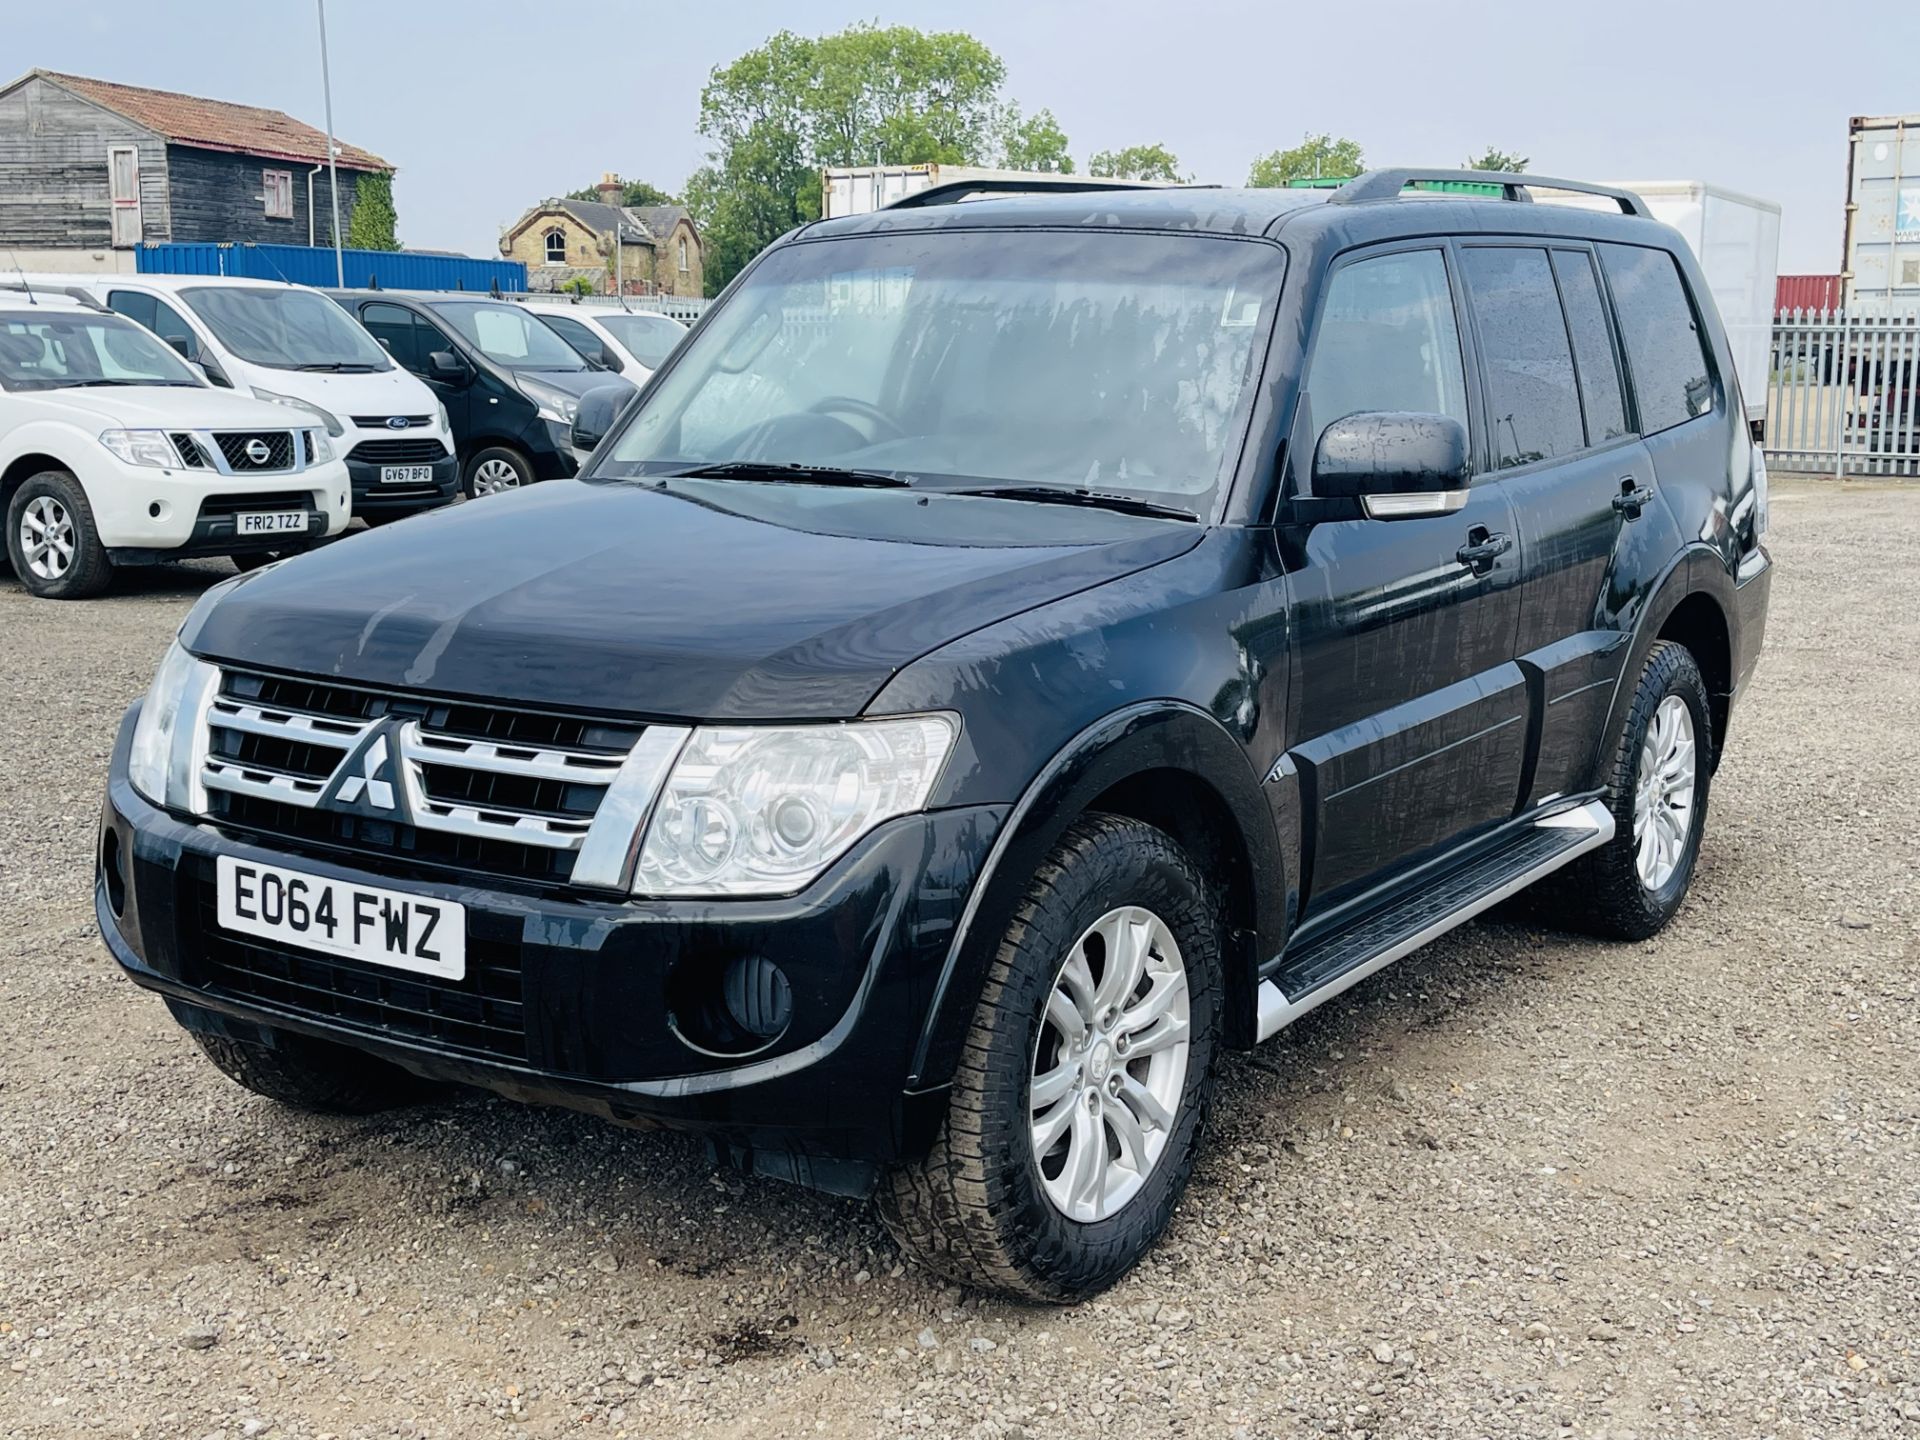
(482, 1014)
(234, 446)
(306, 447)
(191, 455)
(379, 422)
(275, 500)
(478, 787)
(424, 451)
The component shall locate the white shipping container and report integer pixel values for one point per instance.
(1883, 213)
(1736, 239)
(862, 189)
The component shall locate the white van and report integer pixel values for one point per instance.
(294, 346)
(633, 342)
(114, 451)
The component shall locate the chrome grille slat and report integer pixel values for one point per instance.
(600, 798)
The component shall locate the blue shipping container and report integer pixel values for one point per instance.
(310, 265)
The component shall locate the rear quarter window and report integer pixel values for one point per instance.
(1666, 353)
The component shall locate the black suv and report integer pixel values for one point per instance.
(511, 385)
(1011, 651)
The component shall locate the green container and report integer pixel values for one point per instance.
(1443, 187)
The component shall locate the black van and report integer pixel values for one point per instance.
(511, 386)
(1011, 652)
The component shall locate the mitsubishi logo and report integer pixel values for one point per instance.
(372, 780)
(258, 451)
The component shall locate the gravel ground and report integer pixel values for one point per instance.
(1522, 1184)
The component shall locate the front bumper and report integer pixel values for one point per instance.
(375, 498)
(145, 514)
(577, 1001)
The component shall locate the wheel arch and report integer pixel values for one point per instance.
(1692, 604)
(1171, 765)
(23, 467)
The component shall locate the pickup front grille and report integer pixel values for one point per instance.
(423, 451)
(191, 455)
(256, 450)
(510, 792)
(384, 422)
(271, 500)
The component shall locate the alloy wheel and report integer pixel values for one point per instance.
(47, 537)
(1110, 1064)
(490, 477)
(1663, 793)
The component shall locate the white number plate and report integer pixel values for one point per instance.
(406, 474)
(271, 522)
(357, 922)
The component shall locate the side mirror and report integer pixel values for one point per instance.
(598, 411)
(611, 360)
(1397, 464)
(447, 366)
(184, 347)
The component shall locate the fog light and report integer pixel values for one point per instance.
(759, 997)
(112, 872)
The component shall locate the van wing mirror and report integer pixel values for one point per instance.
(598, 410)
(184, 347)
(1397, 464)
(445, 365)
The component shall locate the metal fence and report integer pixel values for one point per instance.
(1843, 396)
(310, 265)
(684, 308)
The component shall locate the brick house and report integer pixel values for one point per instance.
(659, 246)
(90, 164)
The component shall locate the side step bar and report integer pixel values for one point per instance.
(1341, 960)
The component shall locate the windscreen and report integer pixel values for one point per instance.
(1116, 362)
(285, 329)
(648, 338)
(510, 337)
(59, 350)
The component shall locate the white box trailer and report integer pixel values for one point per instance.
(861, 189)
(1736, 239)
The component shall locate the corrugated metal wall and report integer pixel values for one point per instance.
(307, 265)
(1806, 292)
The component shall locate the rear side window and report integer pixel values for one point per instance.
(576, 335)
(1665, 353)
(1533, 398)
(1388, 341)
(1592, 349)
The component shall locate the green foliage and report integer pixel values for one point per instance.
(1315, 157)
(1035, 142)
(1497, 160)
(869, 95)
(636, 192)
(1136, 162)
(371, 222)
(577, 285)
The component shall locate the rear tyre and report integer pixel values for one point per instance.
(312, 1074)
(52, 541)
(1085, 1078)
(1657, 789)
(495, 469)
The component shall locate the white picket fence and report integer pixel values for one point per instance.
(1843, 396)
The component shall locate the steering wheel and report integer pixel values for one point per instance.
(884, 426)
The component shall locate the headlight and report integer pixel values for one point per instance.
(446, 420)
(760, 810)
(552, 402)
(327, 417)
(322, 446)
(169, 737)
(141, 447)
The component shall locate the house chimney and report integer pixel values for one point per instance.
(610, 188)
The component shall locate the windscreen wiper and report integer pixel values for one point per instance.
(1092, 499)
(791, 471)
(348, 367)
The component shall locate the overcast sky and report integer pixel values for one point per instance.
(487, 107)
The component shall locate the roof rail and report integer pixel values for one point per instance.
(1387, 185)
(954, 191)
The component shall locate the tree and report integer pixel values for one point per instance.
(868, 95)
(371, 222)
(1497, 160)
(577, 285)
(1137, 162)
(635, 192)
(1033, 143)
(1315, 157)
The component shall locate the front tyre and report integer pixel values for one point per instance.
(496, 469)
(52, 541)
(1657, 789)
(1085, 1078)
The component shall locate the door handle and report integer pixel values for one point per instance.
(1482, 549)
(1633, 498)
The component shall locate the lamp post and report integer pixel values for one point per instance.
(333, 168)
